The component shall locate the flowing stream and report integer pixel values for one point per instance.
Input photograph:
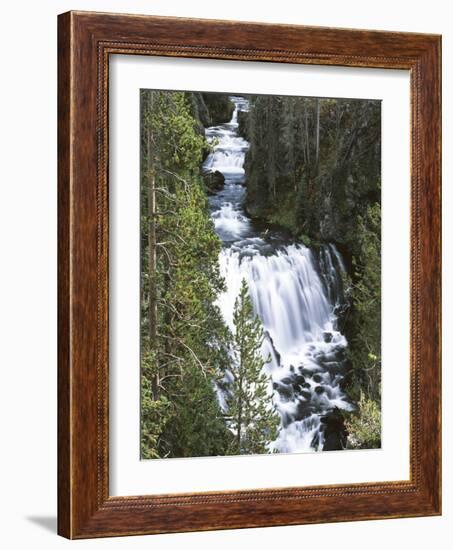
(295, 291)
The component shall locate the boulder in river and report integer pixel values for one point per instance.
(214, 181)
(287, 380)
(334, 432)
(305, 372)
(301, 411)
(285, 391)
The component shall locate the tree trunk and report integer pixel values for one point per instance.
(271, 140)
(307, 139)
(240, 333)
(318, 108)
(152, 306)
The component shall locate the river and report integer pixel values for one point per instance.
(295, 291)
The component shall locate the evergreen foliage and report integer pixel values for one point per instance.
(252, 417)
(184, 340)
(313, 163)
(365, 327)
(364, 379)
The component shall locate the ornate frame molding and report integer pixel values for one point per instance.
(86, 40)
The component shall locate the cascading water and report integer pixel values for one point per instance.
(296, 294)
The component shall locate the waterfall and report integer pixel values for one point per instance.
(294, 291)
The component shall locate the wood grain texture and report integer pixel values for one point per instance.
(64, 367)
(86, 40)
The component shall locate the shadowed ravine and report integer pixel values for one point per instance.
(295, 291)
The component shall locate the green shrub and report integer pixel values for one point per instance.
(364, 425)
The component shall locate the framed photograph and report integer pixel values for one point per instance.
(249, 275)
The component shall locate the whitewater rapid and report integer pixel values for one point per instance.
(296, 294)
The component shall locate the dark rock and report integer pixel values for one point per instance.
(333, 356)
(243, 126)
(328, 337)
(284, 391)
(301, 411)
(287, 380)
(274, 349)
(320, 389)
(317, 378)
(214, 181)
(306, 394)
(291, 368)
(315, 441)
(334, 432)
(334, 367)
(341, 354)
(304, 371)
(286, 420)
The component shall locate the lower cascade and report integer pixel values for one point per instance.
(296, 292)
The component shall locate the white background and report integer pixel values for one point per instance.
(129, 475)
(28, 271)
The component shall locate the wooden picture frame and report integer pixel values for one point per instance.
(85, 42)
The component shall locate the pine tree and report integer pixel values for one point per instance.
(252, 416)
(184, 340)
